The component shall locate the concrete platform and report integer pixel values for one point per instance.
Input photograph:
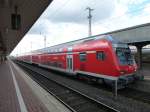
(19, 93)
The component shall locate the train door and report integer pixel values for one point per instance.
(70, 63)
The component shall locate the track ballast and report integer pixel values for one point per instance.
(73, 99)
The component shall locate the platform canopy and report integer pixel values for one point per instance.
(137, 35)
(16, 18)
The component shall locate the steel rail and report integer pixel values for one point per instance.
(67, 87)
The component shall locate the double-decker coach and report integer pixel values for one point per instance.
(99, 58)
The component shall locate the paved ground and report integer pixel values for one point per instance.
(8, 102)
(19, 93)
(48, 100)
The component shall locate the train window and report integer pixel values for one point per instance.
(124, 56)
(82, 57)
(100, 55)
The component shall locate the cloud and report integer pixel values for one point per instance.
(40, 27)
(60, 13)
(66, 20)
(124, 17)
(146, 10)
(74, 10)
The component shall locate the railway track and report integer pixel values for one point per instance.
(130, 92)
(126, 98)
(136, 95)
(73, 99)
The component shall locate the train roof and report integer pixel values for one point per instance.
(96, 37)
(55, 48)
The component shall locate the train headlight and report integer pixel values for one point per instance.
(135, 70)
(122, 72)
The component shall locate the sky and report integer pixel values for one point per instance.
(66, 20)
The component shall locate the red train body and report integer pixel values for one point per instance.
(99, 57)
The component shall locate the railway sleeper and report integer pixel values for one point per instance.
(63, 93)
(69, 96)
(72, 97)
(87, 107)
(77, 102)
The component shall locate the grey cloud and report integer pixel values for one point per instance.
(74, 11)
(39, 27)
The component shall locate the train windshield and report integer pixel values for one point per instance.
(124, 56)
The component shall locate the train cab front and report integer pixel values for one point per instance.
(127, 67)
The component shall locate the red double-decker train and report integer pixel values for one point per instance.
(99, 58)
